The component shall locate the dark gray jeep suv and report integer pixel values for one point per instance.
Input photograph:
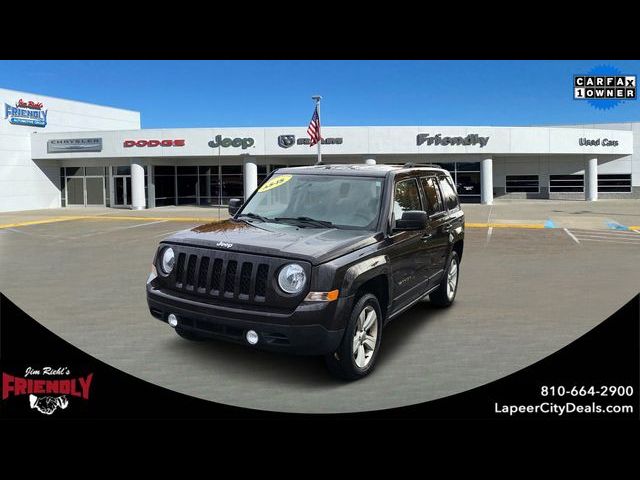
(317, 261)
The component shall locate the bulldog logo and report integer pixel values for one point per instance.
(286, 141)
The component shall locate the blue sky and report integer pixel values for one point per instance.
(273, 93)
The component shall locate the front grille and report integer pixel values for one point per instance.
(261, 280)
(245, 278)
(191, 271)
(227, 276)
(230, 277)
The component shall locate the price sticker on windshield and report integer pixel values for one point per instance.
(275, 182)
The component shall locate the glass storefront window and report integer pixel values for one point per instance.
(187, 189)
(74, 171)
(231, 169)
(187, 170)
(468, 166)
(232, 186)
(165, 190)
(122, 170)
(95, 171)
(161, 170)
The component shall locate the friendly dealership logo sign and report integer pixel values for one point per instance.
(26, 113)
(472, 139)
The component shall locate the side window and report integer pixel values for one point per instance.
(449, 193)
(432, 192)
(406, 197)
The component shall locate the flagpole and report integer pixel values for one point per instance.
(317, 98)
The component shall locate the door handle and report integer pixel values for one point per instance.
(447, 228)
(426, 236)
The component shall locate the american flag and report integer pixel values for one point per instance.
(314, 128)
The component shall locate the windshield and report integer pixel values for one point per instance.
(317, 201)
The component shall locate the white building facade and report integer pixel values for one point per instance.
(90, 155)
(24, 184)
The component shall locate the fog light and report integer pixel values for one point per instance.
(252, 337)
(173, 320)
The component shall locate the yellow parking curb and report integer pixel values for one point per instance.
(171, 219)
(505, 225)
(635, 227)
(101, 217)
(38, 222)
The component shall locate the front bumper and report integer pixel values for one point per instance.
(305, 331)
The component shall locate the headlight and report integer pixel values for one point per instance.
(292, 278)
(167, 261)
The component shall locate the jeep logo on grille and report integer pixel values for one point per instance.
(224, 244)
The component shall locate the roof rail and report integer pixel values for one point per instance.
(412, 164)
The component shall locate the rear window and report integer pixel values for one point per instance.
(432, 193)
(449, 193)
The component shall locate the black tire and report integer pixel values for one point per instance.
(441, 296)
(194, 337)
(342, 363)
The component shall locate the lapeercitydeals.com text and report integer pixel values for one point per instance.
(562, 409)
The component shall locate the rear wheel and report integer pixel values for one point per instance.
(446, 292)
(356, 356)
(194, 337)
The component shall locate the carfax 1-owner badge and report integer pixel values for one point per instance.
(46, 389)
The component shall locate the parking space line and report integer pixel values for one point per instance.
(166, 233)
(620, 233)
(504, 225)
(489, 232)
(604, 240)
(143, 224)
(616, 236)
(571, 235)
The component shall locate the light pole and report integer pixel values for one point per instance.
(317, 99)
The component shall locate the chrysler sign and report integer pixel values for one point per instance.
(65, 145)
(472, 139)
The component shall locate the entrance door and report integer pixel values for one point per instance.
(122, 191)
(75, 191)
(95, 190)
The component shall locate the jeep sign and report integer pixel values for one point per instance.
(232, 142)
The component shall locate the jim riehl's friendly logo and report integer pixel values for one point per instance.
(48, 388)
(604, 87)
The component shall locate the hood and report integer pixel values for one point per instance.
(314, 245)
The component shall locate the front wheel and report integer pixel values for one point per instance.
(356, 356)
(446, 291)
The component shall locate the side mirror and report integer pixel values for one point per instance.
(234, 206)
(412, 220)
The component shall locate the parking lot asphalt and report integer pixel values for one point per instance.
(523, 294)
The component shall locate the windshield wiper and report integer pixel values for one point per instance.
(306, 220)
(254, 216)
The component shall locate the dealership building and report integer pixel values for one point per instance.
(62, 153)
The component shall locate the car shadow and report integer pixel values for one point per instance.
(401, 329)
(307, 371)
(252, 364)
